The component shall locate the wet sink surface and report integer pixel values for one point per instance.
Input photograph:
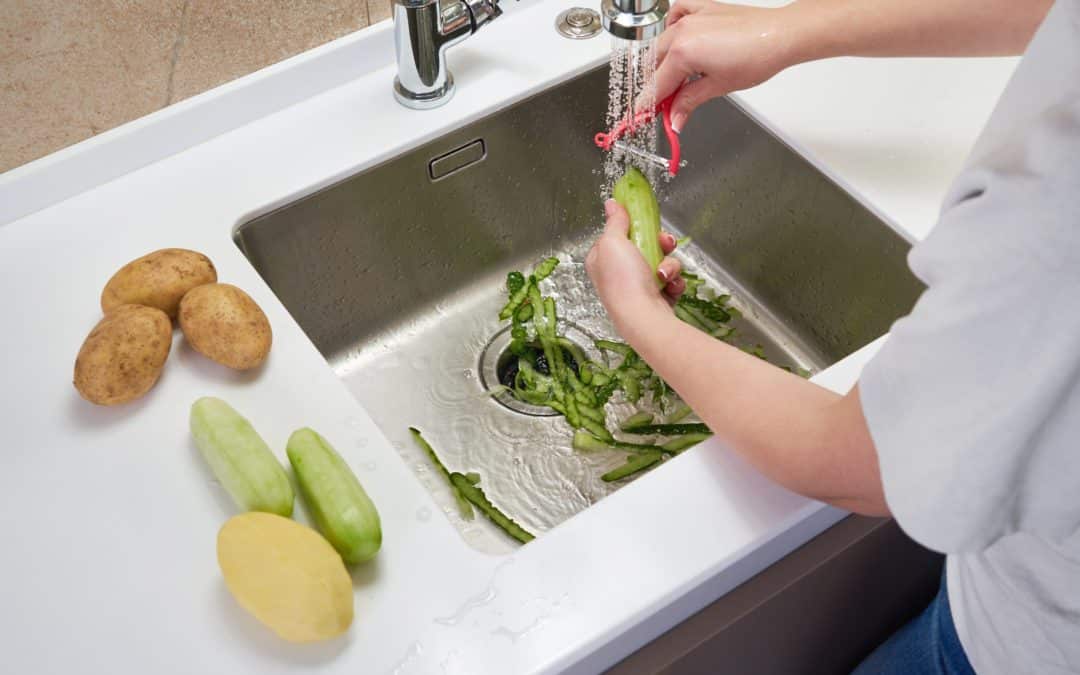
(397, 275)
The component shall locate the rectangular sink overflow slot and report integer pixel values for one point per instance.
(457, 159)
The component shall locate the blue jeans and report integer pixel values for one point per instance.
(927, 645)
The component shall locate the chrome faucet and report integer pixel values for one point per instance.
(423, 31)
(634, 19)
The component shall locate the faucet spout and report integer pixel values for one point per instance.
(634, 19)
(423, 31)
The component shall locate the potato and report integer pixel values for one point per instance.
(123, 355)
(224, 324)
(158, 279)
(286, 575)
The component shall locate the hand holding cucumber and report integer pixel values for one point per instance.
(619, 263)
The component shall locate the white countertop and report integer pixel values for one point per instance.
(109, 514)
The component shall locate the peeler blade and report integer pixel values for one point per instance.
(643, 155)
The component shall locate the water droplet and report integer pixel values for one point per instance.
(361, 442)
(515, 635)
(423, 514)
(368, 466)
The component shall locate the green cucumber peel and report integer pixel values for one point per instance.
(474, 494)
(633, 465)
(680, 443)
(637, 419)
(665, 429)
(464, 508)
(545, 268)
(681, 413)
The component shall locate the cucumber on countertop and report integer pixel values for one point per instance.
(342, 510)
(239, 458)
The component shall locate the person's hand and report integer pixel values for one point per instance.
(623, 280)
(731, 47)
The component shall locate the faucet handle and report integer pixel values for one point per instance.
(484, 11)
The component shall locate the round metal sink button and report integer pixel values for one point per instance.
(578, 23)
(578, 18)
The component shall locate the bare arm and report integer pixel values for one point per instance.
(803, 436)
(734, 47)
(807, 438)
(914, 27)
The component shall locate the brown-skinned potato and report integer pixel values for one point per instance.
(123, 356)
(159, 279)
(224, 324)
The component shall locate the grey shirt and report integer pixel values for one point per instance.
(974, 400)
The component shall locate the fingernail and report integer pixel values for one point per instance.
(663, 274)
(609, 206)
(670, 240)
(677, 121)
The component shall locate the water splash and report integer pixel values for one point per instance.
(515, 635)
(485, 597)
(413, 653)
(631, 87)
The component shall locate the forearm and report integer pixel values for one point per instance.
(827, 28)
(801, 435)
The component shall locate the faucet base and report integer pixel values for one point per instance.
(425, 100)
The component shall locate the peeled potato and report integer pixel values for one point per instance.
(122, 357)
(159, 279)
(286, 575)
(224, 324)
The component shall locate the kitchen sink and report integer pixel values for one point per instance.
(397, 275)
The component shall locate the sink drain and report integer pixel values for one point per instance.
(498, 365)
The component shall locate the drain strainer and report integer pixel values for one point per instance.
(498, 365)
(578, 23)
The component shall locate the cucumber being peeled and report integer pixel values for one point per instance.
(636, 195)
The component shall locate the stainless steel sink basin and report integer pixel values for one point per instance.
(397, 275)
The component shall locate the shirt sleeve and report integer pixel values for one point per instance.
(974, 400)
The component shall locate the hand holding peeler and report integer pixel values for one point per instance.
(607, 141)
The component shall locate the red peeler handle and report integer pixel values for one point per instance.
(605, 141)
(672, 135)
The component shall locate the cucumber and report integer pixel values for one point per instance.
(239, 458)
(636, 195)
(342, 510)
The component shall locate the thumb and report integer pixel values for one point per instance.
(692, 95)
(618, 220)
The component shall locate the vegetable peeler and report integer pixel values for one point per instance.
(607, 141)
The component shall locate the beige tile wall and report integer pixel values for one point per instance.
(70, 69)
